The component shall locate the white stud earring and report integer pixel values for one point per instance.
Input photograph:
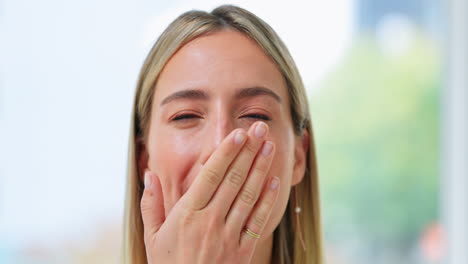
(298, 209)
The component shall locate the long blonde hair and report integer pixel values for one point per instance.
(287, 241)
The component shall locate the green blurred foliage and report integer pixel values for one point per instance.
(376, 125)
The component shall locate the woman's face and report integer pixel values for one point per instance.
(212, 85)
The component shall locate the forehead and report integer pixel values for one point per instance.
(220, 63)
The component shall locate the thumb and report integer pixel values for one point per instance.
(152, 204)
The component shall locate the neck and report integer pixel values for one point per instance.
(263, 251)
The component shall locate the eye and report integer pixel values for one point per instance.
(183, 117)
(186, 117)
(258, 116)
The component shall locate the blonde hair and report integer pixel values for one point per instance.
(286, 243)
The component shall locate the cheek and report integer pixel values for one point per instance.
(282, 164)
(173, 159)
(282, 167)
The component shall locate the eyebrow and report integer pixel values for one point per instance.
(202, 95)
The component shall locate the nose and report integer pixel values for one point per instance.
(220, 131)
(215, 133)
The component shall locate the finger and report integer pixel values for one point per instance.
(238, 171)
(152, 205)
(212, 173)
(250, 192)
(261, 213)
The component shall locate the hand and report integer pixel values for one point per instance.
(207, 224)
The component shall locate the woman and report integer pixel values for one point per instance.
(222, 165)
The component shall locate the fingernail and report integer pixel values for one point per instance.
(239, 137)
(274, 183)
(147, 180)
(260, 130)
(267, 148)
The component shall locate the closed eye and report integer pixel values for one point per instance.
(191, 116)
(184, 116)
(258, 116)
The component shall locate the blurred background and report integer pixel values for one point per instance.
(388, 93)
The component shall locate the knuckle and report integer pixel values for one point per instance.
(214, 222)
(225, 153)
(248, 196)
(148, 238)
(261, 168)
(214, 214)
(145, 206)
(235, 177)
(230, 232)
(187, 218)
(212, 176)
(251, 148)
(259, 220)
(268, 202)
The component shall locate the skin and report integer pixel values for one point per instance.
(190, 135)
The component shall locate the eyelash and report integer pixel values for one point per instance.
(190, 116)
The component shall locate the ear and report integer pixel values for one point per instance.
(301, 147)
(142, 157)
